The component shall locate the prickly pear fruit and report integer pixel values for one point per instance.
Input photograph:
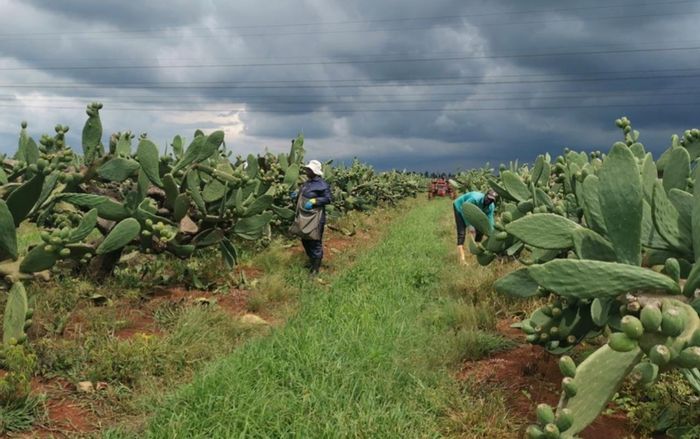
(534, 432)
(551, 431)
(569, 387)
(651, 318)
(565, 419)
(632, 327)
(672, 323)
(567, 366)
(645, 373)
(545, 414)
(689, 358)
(620, 342)
(660, 355)
(673, 269)
(695, 338)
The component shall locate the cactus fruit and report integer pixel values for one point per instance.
(660, 355)
(651, 318)
(620, 342)
(545, 414)
(567, 366)
(672, 322)
(632, 327)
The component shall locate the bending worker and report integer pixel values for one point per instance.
(487, 204)
(311, 199)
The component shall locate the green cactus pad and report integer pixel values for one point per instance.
(213, 191)
(590, 245)
(620, 195)
(693, 281)
(258, 206)
(122, 234)
(283, 212)
(515, 186)
(38, 259)
(92, 135)
(477, 218)
(291, 176)
(118, 169)
(591, 204)
(649, 177)
(191, 154)
(212, 142)
(22, 200)
(86, 226)
(171, 190)
(667, 222)
(585, 279)
(677, 170)
(15, 314)
(517, 283)
(689, 358)
(598, 377)
(251, 227)
(8, 233)
(683, 202)
(193, 185)
(544, 230)
(147, 156)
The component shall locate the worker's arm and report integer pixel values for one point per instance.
(490, 214)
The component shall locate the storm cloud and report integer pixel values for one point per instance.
(441, 85)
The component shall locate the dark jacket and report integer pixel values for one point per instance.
(317, 188)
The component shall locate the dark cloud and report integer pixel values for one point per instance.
(533, 76)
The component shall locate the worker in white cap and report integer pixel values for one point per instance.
(311, 200)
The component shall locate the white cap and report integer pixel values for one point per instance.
(315, 167)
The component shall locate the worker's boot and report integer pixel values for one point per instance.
(315, 267)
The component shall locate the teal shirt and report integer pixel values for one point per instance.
(477, 199)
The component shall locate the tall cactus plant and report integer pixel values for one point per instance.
(621, 216)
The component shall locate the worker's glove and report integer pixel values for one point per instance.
(310, 203)
(293, 195)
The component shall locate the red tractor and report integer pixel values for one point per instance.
(440, 188)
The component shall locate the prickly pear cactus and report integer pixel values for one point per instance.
(611, 240)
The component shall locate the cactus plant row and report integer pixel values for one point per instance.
(613, 241)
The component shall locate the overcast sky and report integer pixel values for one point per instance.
(423, 85)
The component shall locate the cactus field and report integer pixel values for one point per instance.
(610, 242)
(155, 292)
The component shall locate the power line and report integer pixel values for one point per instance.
(345, 22)
(380, 61)
(455, 98)
(345, 57)
(350, 31)
(324, 86)
(383, 110)
(378, 80)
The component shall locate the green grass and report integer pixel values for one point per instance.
(364, 357)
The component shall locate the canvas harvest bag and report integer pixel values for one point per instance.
(307, 223)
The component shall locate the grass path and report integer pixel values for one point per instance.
(359, 360)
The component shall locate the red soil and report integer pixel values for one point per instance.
(531, 376)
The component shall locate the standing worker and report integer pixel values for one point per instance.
(310, 218)
(485, 202)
